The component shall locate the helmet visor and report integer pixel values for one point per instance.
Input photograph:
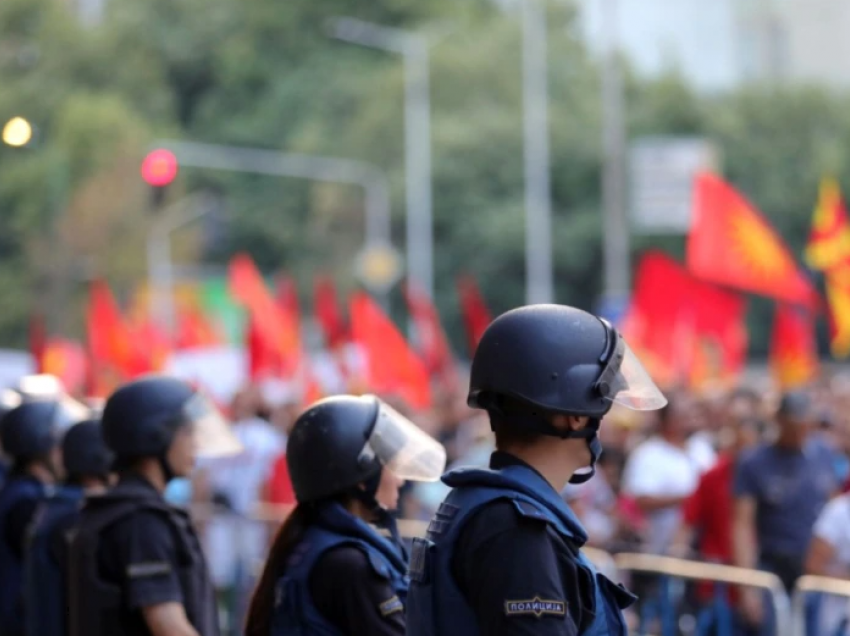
(213, 435)
(403, 447)
(625, 382)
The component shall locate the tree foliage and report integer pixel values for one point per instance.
(266, 74)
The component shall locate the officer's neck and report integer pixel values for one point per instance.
(39, 472)
(554, 459)
(152, 472)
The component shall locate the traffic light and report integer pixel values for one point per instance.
(159, 169)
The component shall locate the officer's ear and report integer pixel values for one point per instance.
(571, 422)
(577, 422)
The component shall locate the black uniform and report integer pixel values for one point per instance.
(499, 536)
(133, 550)
(354, 609)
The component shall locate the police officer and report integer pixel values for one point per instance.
(87, 464)
(136, 565)
(502, 554)
(30, 434)
(329, 572)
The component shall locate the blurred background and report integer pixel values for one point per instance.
(280, 201)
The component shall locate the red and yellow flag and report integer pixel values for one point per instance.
(829, 240)
(731, 244)
(828, 250)
(793, 350)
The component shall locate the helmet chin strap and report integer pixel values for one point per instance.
(383, 518)
(595, 448)
(541, 425)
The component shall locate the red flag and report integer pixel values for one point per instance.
(155, 347)
(277, 329)
(392, 364)
(675, 319)
(38, 341)
(195, 330)
(109, 336)
(65, 359)
(286, 295)
(476, 316)
(326, 310)
(731, 244)
(793, 351)
(433, 344)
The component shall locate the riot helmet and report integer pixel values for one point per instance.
(343, 441)
(84, 453)
(31, 431)
(141, 419)
(547, 359)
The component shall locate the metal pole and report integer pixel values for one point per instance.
(285, 164)
(417, 135)
(616, 251)
(538, 209)
(160, 267)
(417, 148)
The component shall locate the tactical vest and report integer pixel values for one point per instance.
(436, 605)
(97, 605)
(45, 598)
(17, 490)
(295, 614)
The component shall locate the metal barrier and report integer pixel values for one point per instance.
(817, 585)
(712, 572)
(790, 619)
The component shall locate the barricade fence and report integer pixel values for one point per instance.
(236, 547)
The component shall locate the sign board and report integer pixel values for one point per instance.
(379, 267)
(661, 177)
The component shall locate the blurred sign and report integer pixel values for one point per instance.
(379, 267)
(661, 174)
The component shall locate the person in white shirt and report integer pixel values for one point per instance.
(829, 555)
(664, 470)
(234, 485)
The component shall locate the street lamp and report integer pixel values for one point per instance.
(615, 243)
(17, 132)
(417, 124)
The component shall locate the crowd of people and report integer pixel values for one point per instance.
(736, 476)
(739, 476)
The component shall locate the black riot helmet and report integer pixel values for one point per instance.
(343, 441)
(561, 360)
(84, 453)
(141, 418)
(545, 359)
(32, 430)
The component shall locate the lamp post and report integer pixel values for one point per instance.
(417, 135)
(538, 190)
(160, 266)
(615, 246)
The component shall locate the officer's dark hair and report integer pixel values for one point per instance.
(289, 535)
(504, 413)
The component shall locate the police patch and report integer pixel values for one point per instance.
(391, 606)
(140, 570)
(537, 607)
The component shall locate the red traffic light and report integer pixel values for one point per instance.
(159, 168)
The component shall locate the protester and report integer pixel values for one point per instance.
(780, 490)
